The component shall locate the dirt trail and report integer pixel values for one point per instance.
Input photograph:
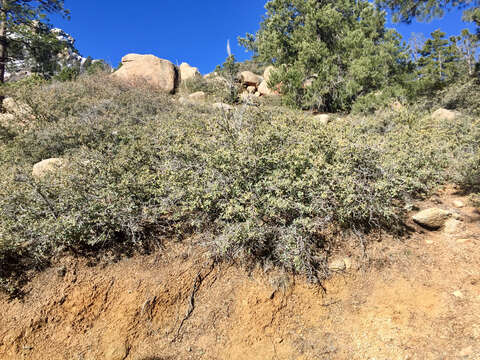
(416, 299)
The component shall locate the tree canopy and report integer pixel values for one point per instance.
(327, 52)
(24, 25)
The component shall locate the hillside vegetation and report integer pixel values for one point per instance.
(266, 183)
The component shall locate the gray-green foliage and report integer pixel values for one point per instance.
(268, 185)
(343, 46)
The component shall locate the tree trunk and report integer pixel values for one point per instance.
(3, 39)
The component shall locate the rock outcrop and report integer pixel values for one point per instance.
(69, 57)
(248, 78)
(158, 73)
(188, 72)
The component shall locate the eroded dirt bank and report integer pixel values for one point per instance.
(416, 299)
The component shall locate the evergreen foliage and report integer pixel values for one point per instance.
(327, 53)
(24, 29)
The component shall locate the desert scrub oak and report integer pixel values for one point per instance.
(267, 184)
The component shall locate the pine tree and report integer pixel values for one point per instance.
(439, 63)
(327, 52)
(23, 23)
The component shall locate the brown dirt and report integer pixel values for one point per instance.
(400, 306)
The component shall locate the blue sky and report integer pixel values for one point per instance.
(182, 30)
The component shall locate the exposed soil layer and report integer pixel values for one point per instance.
(418, 298)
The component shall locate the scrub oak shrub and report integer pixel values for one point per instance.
(266, 184)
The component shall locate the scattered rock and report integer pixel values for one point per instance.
(222, 106)
(47, 166)
(263, 89)
(248, 78)
(433, 218)
(337, 265)
(348, 263)
(308, 82)
(457, 216)
(17, 109)
(452, 226)
(444, 114)
(458, 294)
(159, 73)
(188, 72)
(323, 119)
(458, 204)
(7, 119)
(198, 96)
(397, 106)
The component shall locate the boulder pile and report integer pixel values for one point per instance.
(256, 84)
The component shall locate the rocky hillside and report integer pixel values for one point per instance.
(68, 58)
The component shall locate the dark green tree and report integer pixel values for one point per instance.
(327, 52)
(439, 61)
(23, 23)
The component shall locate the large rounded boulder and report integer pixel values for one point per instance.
(159, 73)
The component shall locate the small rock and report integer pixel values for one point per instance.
(396, 106)
(444, 114)
(197, 96)
(251, 89)
(222, 106)
(18, 109)
(457, 216)
(323, 119)
(458, 294)
(429, 242)
(458, 204)
(337, 265)
(44, 167)
(433, 218)
(348, 263)
(250, 79)
(464, 241)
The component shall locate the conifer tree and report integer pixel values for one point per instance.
(327, 52)
(27, 18)
(439, 59)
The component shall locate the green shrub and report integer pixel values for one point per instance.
(265, 185)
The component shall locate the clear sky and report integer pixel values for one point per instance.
(182, 30)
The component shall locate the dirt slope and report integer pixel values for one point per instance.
(416, 299)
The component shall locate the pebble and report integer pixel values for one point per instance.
(458, 294)
(458, 204)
